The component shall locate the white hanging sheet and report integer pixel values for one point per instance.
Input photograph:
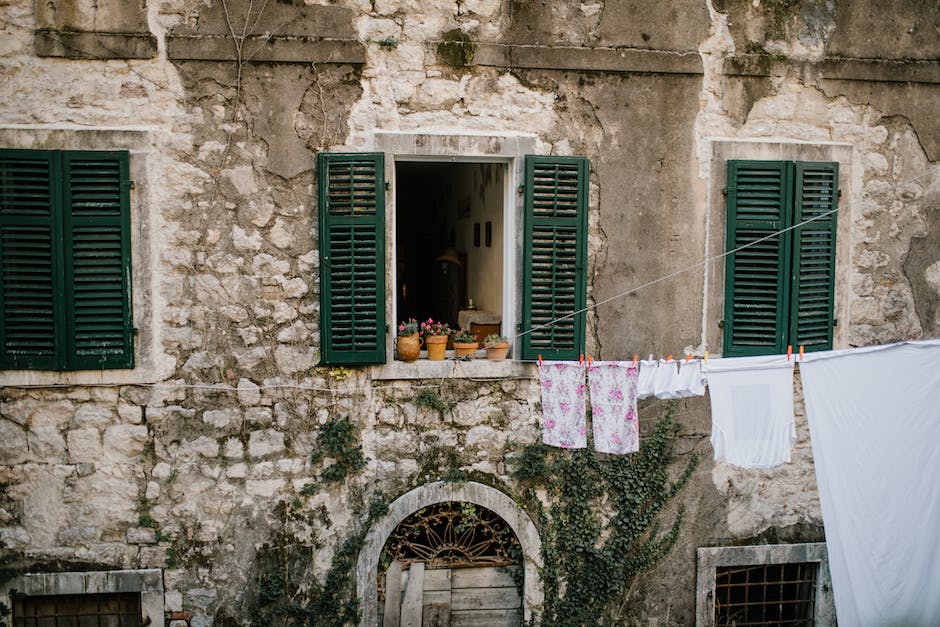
(564, 420)
(690, 381)
(664, 381)
(645, 385)
(752, 409)
(874, 418)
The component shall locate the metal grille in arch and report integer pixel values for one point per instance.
(452, 535)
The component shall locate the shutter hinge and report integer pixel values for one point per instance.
(835, 322)
(839, 195)
(388, 185)
(721, 324)
(724, 191)
(520, 189)
(519, 327)
(130, 184)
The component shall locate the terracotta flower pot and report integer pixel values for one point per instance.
(408, 347)
(497, 352)
(436, 345)
(465, 349)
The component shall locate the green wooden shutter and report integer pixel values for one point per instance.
(814, 253)
(96, 221)
(352, 257)
(555, 257)
(31, 307)
(756, 294)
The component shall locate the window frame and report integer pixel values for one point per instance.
(722, 151)
(152, 362)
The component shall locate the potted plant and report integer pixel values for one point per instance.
(435, 338)
(497, 346)
(465, 343)
(408, 342)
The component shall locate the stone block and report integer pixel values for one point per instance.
(248, 392)
(205, 446)
(125, 440)
(141, 535)
(265, 442)
(46, 444)
(131, 413)
(265, 487)
(234, 449)
(13, 448)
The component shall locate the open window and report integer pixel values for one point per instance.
(446, 214)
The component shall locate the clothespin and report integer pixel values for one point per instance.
(801, 352)
(668, 359)
(540, 359)
(589, 361)
(581, 359)
(789, 351)
(636, 358)
(706, 357)
(688, 359)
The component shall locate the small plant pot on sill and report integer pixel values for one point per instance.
(436, 345)
(465, 349)
(408, 347)
(497, 352)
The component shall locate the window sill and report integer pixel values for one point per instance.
(455, 369)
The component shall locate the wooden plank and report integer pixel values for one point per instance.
(486, 618)
(411, 606)
(437, 579)
(436, 610)
(485, 599)
(484, 577)
(392, 616)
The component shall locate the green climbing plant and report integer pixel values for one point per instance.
(600, 528)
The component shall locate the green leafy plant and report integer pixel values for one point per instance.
(494, 338)
(389, 43)
(431, 327)
(589, 559)
(429, 399)
(463, 337)
(337, 439)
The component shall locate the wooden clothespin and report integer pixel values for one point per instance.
(801, 352)
(688, 359)
(589, 361)
(668, 359)
(789, 351)
(636, 358)
(540, 359)
(581, 359)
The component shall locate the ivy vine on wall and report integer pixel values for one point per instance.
(600, 527)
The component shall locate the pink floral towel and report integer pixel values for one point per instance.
(563, 404)
(613, 406)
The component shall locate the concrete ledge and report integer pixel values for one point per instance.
(632, 60)
(479, 368)
(94, 45)
(264, 49)
(834, 68)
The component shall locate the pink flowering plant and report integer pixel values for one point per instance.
(431, 327)
(408, 327)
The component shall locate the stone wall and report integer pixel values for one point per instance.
(203, 468)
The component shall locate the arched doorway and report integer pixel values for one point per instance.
(454, 538)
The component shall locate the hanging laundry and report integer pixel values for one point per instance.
(689, 381)
(664, 382)
(563, 404)
(752, 409)
(613, 406)
(647, 378)
(874, 420)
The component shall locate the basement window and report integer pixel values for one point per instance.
(121, 609)
(766, 594)
(776, 584)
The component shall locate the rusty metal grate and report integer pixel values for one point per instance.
(78, 610)
(766, 594)
(452, 534)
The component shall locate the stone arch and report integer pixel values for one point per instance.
(439, 492)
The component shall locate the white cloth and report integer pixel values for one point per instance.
(645, 382)
(689, 381)
(564, 420)
(613, 406)
(664, 381)
(752, 409)
(874, 419)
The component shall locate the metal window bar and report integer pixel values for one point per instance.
(766, 594)
(78, 610)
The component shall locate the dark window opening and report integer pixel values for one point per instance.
(439, 269)
(771, 594)
(78, 610)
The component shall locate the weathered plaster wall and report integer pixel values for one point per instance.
(200, 472)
